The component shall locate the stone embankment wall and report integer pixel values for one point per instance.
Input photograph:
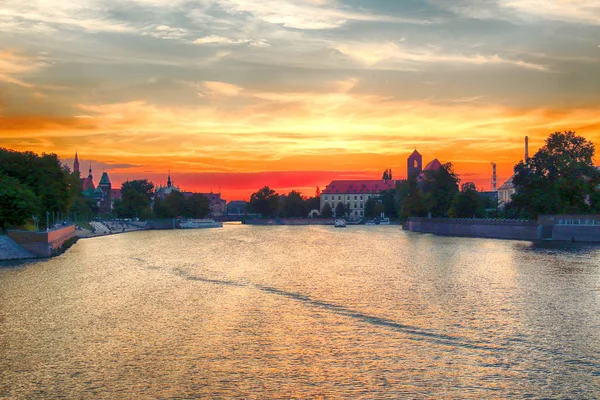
(43, 244)
(570, 228)
(482, 228)
(289, 221)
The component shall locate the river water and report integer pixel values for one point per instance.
(301, 312)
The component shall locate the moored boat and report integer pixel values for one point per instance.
(340, 223)
(200, 223)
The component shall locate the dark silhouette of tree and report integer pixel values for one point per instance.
(340, 210)
(197, 206)
(135, 199)
(439, 188)
(264, 202)
(410, 200)
(17, 202)
(371, 208)
(468, 203)
(387, 175)
(559, 178)
(294, 205)
(326, 211)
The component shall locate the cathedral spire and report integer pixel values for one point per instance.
(169, 184)
(90, 174)
(76, 163)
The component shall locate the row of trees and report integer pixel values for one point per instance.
(138, 201)
(559, 179)
(33, 186)
(268, 203)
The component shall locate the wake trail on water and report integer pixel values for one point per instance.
(416, 333)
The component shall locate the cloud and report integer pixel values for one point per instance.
(307, 14)
(576, 11)
(13, 65)
(222, 88)
(390, 54)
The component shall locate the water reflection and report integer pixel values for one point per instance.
(279, 312)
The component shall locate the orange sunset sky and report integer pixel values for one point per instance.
(232, 95)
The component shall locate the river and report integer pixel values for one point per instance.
(301, 312)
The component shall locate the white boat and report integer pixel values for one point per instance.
(340, 223)
(384, 221)
(200, 223)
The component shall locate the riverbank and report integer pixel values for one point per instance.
(559, 228)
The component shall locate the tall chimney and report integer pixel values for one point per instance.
(526, 148)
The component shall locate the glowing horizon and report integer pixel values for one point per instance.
(293, 94)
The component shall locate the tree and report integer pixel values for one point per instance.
(439, 188)
(340, 210)
(411, 201)
(327, 212)
(197, 206)
(387, 175)
(371, 208)
(312, 203)
(467, 203)
(44, 175)
(389, 204)
(559, 178)
(264, 202)
(176, 205)
(294, 205)
(135, 199)
(18, 202)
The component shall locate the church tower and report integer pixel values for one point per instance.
(76, 164)
(90, 176)
(169, 183)
(414, 164)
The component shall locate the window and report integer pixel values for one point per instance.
(348, 198)
(339, 197)
(361, 213)
(354, 198)
(361, 198)
(355, 212)
(325, 198)
(362, 205)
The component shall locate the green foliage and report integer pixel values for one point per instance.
(264, 202)
(52, 183)
(294, 206)
(439, 188)
(371, 208)
(326, 211)
(135, 199)
(18, 202)
(387, 175)
(559, 178)
(197, 206)
(389, 203)
(340, 210)
(468, 203)
(312, 203)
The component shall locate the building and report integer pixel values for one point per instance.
(432, 166)
(236, 208)
(414, 165)
(103, 195)
(353, 194)
(162, 191)
(507, 189)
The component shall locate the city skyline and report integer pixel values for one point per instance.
(241, 94)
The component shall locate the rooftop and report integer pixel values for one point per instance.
(363, 186)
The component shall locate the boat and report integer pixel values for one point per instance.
(340, 223)
(384, 221)
(200, 223)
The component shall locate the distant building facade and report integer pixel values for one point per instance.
(353, 194)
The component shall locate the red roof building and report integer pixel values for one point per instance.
(353, 194)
